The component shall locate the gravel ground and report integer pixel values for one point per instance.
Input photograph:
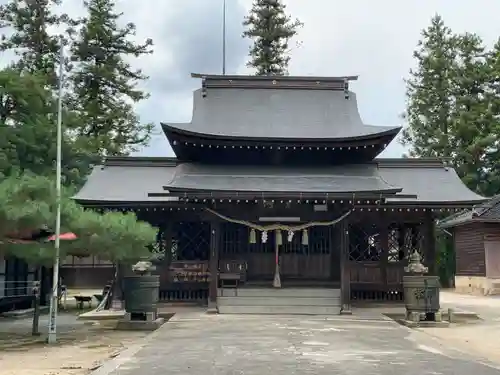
(81, 347)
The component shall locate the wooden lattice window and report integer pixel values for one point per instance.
(295, 246)
(260, 247)
(159, 246)
(235, 239)
(191, 241)
(319, 240)
(404, 239)
(364, 242)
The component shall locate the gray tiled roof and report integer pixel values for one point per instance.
(126, 183)
(488, 211)
(355, 178)
(432, 182)
(278, 114)
(133, 180)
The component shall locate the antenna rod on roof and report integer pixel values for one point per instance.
(224, 37)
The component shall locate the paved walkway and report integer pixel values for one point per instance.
(488, 307)
(479, 338)
(195, 344)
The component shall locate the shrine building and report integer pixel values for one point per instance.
(276, 200)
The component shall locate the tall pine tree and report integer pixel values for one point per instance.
(105, 84)
(27, 103)
(270, 29)
(28, 131)
(452, 105)
(492, 94)
(25, 28)
(473, 127)
(430, 93)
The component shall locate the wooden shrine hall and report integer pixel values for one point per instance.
(276, 192)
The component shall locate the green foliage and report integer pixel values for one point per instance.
(105, 84)
(453, 111)
(271, 30)
(429, 93)
(38, 254)
(101, 86)
(25, 203)
(445, 258)
(25, 28)
(28, 202)
(116, 236)
(453, 107)
(492, 96)
(99, 119)
(28, 130)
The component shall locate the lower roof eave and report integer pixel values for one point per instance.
(229, 194)
(172, 200)
(434, 204)
(385, 136)
(167, 202)
(458, 223)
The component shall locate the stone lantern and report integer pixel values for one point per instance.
(421, 291)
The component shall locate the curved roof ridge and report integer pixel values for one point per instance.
(278, 112)
(241, 77)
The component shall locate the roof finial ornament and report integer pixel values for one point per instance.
(346, 88)
(204, 87)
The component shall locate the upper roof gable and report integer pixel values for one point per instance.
(267, 107)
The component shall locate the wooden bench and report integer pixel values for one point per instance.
(80, 300)
(232, 273)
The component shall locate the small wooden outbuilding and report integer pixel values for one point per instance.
(476, 237)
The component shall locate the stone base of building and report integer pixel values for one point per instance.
(477, 285)
(424, 323)
(212, 308)
(150, 323)
(139, 325)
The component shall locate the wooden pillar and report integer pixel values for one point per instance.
(168, 231)
(335, 234)
(167, 235)
(215, 229)
(384, 254)
(430, 258)
(345, 275)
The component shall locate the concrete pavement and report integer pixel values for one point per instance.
(478, 338)
(488, 307)
(196, 343)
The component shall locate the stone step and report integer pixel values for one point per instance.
(281, 310)
(279, 292)
(280, 301)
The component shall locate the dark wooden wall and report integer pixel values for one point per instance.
(376, 278)
(16, 284)
(469, 249)
(379, 244)
(491, 231)
(87, 277)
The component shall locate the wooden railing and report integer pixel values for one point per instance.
(232, 272)
(376, 281)
(185, 281)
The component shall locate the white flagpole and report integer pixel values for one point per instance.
(52, 338)
(224, 37)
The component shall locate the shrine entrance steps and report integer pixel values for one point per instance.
(282, 301)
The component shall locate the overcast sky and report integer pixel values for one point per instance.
(372, 39)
